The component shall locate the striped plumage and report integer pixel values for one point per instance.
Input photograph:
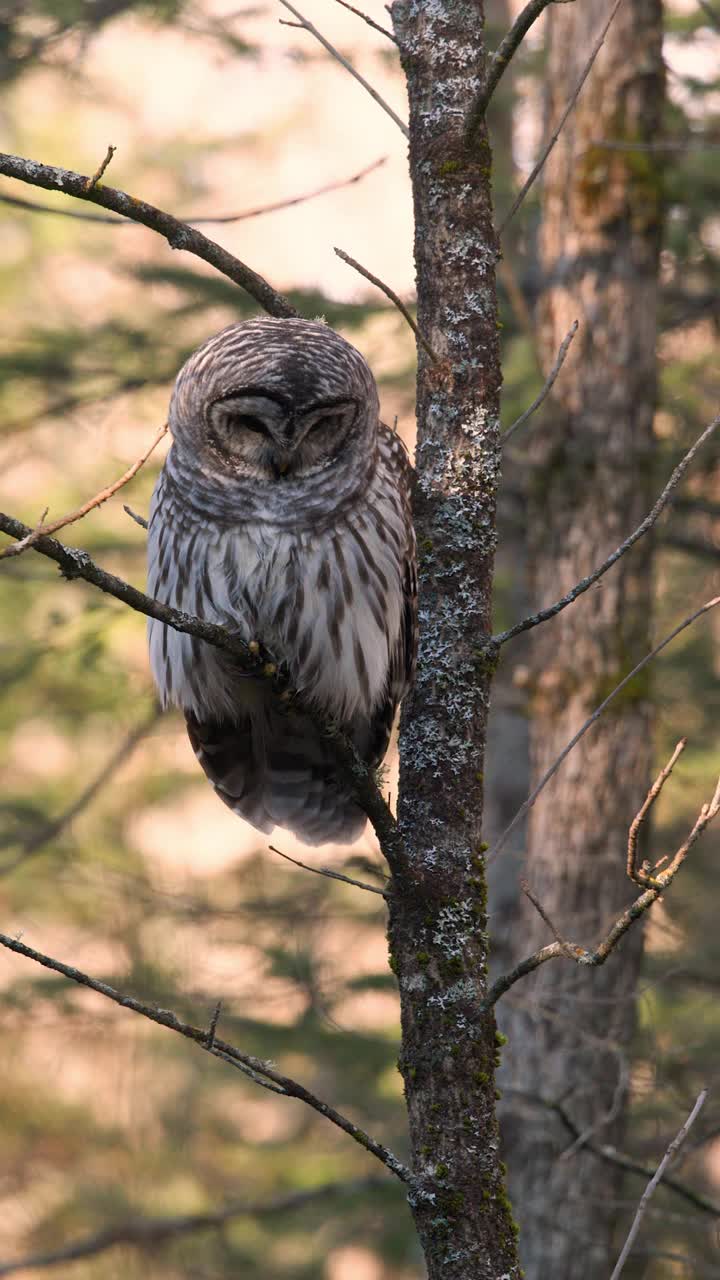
(283, 511)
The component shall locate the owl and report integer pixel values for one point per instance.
(283, 513)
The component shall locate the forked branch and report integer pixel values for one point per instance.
(655, 880)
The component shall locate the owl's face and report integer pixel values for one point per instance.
(275, 402)
(258, 432)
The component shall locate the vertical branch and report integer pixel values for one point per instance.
(437, 904)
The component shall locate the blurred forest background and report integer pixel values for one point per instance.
(114, 854)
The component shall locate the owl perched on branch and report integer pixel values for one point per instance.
(283, 513)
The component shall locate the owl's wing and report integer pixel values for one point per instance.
(403, 655)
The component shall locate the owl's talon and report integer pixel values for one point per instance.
(254, 647)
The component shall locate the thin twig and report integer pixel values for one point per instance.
(550, 380)
(348, 67)
(652, 1184)
(253, 660)
(92, 182)
(544, 614)
(263, 1073)
(525, 808)
(212, 1029)
(134, 516)
(204, 219)
(566, 946)
(37, 839)
(389, 293)
(620, 1159)
(147, 1233)
(538, 167)
(326, 871)
(370, 21)
(657, 884)
(499, 64)
(17, 548)
(178, 234)
(645, 808)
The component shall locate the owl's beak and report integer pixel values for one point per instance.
(281, 462)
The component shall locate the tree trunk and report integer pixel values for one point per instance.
(569, 1028)
(437, 926)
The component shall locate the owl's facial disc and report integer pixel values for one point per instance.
(264, 433)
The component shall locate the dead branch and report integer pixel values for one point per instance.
(500, 62)
(540, 164)
(621, 1160)
(656, 1178)
(260, 1072)
(656, 883)
(202, 219)
(147, 1233)
(304, 22)
(370, 21)
(584, 585)
(326, 871)
(550, 380)
(92, 182)
(645, 808)
(528, 804)
(17, 548)
(389, 293)
(178, 234)
(253, 659)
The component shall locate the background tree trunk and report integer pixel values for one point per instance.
(569, 1030)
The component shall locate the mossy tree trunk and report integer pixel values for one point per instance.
(570, 1029)
(437, 929)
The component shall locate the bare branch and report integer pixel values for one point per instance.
(370, 21)
(566, 947)
(134, 516)
(261, 1072)
(203, 219)
(544, 614)
(178, 234)
(348, 67)
(37, 840)
(645, 808)
(657, 884)
(253, 659)
(326, 871)
(17, 548)
(148, 1233)
(500, 62)
(652, 1184)
(389, 293)
(550, 380)
(92, 182)
(540, 164)
(611, 1155)
(525, 808)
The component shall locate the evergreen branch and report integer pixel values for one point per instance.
(144, 1232)
(261, 1072)
(178, 234)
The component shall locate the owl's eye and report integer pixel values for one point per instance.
(248, 422)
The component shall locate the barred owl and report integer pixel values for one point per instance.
(282, 512)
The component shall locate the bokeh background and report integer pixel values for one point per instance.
(114, 854)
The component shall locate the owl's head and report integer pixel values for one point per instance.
(276, 401)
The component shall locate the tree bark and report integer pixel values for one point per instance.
(570, 1029)
(437, 927)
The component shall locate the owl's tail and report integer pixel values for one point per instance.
(273, 769)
